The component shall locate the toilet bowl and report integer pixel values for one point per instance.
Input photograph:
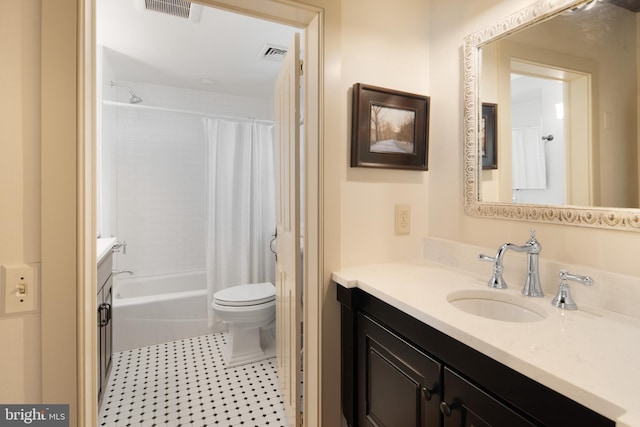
(250, 312)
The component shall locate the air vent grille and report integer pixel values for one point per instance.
(272, 52)
(179, 8)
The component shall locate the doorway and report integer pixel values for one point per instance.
(556, 106)
(306, 17)
(154, 180)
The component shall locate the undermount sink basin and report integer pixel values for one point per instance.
(496, 306)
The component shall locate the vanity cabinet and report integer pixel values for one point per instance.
(398, 371)
(397, 383)
(104, 324)
(465, 404)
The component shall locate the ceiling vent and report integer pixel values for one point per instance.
(272, 52)
(180, 8)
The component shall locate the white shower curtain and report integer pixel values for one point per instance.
(241, 210)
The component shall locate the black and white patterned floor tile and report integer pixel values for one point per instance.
(185, 383)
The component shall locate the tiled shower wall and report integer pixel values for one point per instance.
(153, 169)
(160, 203)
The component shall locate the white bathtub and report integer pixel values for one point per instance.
(156, 309)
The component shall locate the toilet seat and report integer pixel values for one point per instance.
(245, 295)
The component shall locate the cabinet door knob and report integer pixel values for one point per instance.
(445, 409)
(428, 394)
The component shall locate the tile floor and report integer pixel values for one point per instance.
(185, 383)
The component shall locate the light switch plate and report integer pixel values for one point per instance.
(19, 288)
(403, 219)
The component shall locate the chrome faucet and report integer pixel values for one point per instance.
(116, 272)
(532, 247)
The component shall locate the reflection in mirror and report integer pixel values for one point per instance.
(565, 78)
(584, 62)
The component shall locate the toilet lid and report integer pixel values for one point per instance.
(243, 295)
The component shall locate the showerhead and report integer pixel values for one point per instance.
(135, 99)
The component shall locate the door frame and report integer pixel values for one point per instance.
(582, 74)
(81, 357)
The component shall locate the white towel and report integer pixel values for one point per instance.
(528, 159)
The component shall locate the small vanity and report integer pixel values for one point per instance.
(104, 259)
(410, 356)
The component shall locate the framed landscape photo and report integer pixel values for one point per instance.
(488, 136)
(389, 129)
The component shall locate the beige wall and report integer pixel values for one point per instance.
(386, 45)
(20, 189)
(383, 44)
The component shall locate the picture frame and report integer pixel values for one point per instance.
(390, 129)
(489, 136)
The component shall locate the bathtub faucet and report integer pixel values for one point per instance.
(116, 272)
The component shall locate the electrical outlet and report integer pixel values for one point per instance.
(19, 288)
(403, 219)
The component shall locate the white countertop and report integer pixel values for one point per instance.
(589, 355)
(103, 247)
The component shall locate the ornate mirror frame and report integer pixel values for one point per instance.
(597, 217)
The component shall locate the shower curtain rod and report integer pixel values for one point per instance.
(176, 110)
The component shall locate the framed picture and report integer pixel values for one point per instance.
(488, 136)
(389, 129)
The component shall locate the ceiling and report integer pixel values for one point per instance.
(220, 53)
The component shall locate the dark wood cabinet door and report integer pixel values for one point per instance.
(108, 329)
(105, 334)
(398, 385)
(99, 335)
(465, 405)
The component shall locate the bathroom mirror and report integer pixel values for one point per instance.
(564, 75)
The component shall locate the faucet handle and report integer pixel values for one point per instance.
(585, 280)
(496, 280)
(564, 299)
(487, 258)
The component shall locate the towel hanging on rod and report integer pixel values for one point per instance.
(528, 159)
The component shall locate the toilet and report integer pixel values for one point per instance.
(250, 312)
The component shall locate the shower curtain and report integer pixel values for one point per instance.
(241, 205)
